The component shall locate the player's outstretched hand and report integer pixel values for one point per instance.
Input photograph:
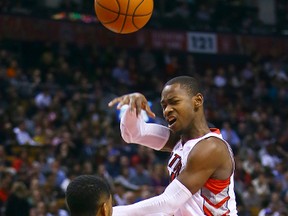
(134, 100)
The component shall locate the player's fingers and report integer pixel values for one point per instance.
(124, 101)
(120, 104)
(131, 104)
(138, 104)
(149, 111)
(114, 101)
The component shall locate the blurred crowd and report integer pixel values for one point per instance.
(240, 16)
(55, 123)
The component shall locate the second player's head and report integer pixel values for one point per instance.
(89, 195)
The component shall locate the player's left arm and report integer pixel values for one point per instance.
(205, 158)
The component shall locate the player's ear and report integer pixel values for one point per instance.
(105, 209)
(101, 211)
(198, 100)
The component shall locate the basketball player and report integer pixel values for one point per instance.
(88, 195)
(201, 166)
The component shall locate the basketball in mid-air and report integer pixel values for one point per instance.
(124, 16)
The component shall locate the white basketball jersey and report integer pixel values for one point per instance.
(216, 197)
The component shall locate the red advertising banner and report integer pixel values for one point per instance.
(246, 44)
(168, 39)
(228, 44)
(29, 29)
(23, 28)
(32, 29)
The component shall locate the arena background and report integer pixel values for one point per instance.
(59, 67)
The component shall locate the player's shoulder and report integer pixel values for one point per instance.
(214, 145)
(209, 151)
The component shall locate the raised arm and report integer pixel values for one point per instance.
(135, 130)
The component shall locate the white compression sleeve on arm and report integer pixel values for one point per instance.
(175, 195)
(135, 130)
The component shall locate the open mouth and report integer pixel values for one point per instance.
(171, 121)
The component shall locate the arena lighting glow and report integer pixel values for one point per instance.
(73, 16)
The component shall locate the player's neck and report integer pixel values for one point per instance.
(195, 132)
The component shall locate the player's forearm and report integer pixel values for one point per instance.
(135, 130)
(175, 195)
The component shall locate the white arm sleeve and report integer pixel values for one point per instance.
(175, 195)
(135, 130)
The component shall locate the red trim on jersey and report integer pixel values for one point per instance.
(216, 185)
(219, 204)
(226, 213)
(208, 212)
(215, 130)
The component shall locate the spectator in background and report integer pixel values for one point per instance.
(17, 203)
(261, 186)
(103, 173)
(203, 16)
(57, 173)
(124, 179)
(181, 13)
(230, 136)
(119, 194)
(22, 136)
(120, 73)
(6, 181)
(247, 74)
(159, 178)
(141, 177)
(39, 210)
(55, 210)
(43, 99)
(69, 177)
(268, 156)
(220, 79)
(273, 209)
(147, 62)
(251, 199)
(277, 72)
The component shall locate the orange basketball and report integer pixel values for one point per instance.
(123, 16)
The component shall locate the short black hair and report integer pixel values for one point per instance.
(85, 194)
(191, 84)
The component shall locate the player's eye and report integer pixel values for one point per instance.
(174, 102)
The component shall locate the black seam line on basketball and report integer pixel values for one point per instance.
(125, 18)
(123, 13)
(110, 10)
(134, 14)
(119, 6)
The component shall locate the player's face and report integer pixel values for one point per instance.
(177, 108)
